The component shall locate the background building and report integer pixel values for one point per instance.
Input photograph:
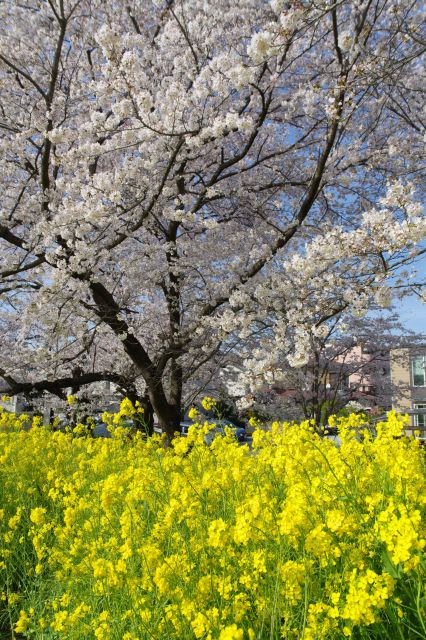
(408, 376)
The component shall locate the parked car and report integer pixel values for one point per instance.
(218, 429)
(184, 425)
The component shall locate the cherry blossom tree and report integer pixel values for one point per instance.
(178, 176)
(351, 363)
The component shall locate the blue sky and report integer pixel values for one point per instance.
(412, 313)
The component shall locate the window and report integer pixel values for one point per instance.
(420, 418)
(418, 368)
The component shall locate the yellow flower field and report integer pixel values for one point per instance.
(124, 539)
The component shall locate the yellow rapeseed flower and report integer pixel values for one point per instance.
(23, 622)
(212, 542)
(231, 632)
(193, 414)
(208, 403)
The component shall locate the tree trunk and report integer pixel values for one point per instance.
(176, 384)
(109, 312)
(168, 415)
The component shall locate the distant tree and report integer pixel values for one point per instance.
(349, 365)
